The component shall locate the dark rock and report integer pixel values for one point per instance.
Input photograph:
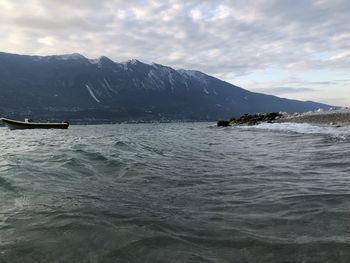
(223, 123)
(253, 119)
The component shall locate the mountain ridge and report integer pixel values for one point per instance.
(74, 87)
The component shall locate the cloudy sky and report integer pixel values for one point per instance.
(291, 48)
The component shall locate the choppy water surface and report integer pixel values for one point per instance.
(175, 193)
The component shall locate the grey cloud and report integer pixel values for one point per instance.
(323, 83)
(245, 36)
(286, 90)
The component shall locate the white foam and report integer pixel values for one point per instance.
(304, 128)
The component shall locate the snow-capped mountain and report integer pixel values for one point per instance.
(74, 87)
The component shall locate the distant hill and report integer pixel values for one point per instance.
(75, 88)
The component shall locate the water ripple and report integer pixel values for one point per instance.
(175, 193)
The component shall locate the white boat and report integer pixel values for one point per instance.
(27, 124)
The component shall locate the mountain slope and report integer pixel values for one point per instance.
(74, 87)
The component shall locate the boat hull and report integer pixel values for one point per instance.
(20, 125)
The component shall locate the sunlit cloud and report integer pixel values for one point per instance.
(341, 56)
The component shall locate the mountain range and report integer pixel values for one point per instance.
(79, 89)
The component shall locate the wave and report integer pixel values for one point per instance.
(304, 128)
(174, 193)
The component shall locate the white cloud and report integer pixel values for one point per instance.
(227, 38)
(341, 56)
(196, 14)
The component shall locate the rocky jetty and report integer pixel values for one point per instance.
(335, 117)
(251, 119)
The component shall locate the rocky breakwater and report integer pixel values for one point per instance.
(251, 119)
(334, 117)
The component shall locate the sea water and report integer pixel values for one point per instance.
(180, 192)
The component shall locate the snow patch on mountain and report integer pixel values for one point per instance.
(133, 61)
(94, 61)
(167, 72)
(154, 79)
(193, 74)
(155, 65)
(92, 93)
(109, 86)
(106, 89)
(143, 85)
(136, 83)
(126, 65)
(97, 62)
(164, 74)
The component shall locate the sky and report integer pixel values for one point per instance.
(294, 49)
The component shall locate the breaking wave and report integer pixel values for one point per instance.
(304, 128)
